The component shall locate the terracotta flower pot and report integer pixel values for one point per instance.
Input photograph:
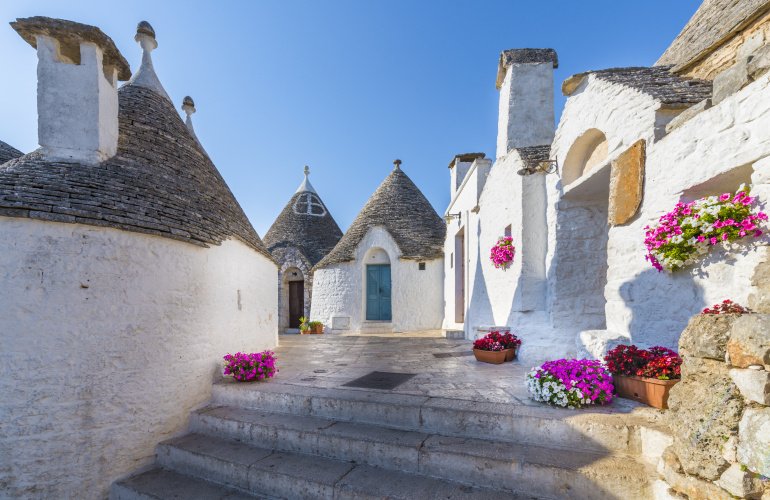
(317, 329)
(650, 391)
(494, 357)
(510, 354)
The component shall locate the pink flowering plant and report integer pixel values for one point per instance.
(686, 233)
(571, 383)
(248, 367)
(502, 253)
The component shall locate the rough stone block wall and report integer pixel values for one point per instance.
(115, 338)
(720, 412)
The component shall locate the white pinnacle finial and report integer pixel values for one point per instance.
(188, 106)
(306, 186)
(145, 76)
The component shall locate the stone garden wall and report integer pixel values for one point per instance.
(719, 413)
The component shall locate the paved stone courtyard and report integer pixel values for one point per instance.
(444, 368)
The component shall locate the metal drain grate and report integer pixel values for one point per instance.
(380, 380)
(452, 354)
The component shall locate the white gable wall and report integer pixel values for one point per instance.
(416, 296)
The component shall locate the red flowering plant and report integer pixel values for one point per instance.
(247, 367)
(507, 339)
(726, 307)
(502, 253)
(487, 344)
(656, 362)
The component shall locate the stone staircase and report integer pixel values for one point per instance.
(279, 440)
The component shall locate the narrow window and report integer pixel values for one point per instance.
(451, 260)
(421, 266)
(508, 231)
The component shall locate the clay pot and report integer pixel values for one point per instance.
(510, 354)
(317, 329)
(650, 391)
(494, 357)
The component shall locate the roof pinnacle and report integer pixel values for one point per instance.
(145, 76)
(188, 106)
(396, 164)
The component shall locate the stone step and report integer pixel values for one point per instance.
(588, 429)
(162, 484)
(294, 475)
(478, 462)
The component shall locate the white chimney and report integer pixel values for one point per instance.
(526, 114)
(459, 167)
(77, 99)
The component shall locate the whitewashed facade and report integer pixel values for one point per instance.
(577, 284)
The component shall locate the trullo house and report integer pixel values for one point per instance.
(387, 271)
(300, 237)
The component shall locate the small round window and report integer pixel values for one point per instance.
(309, 204)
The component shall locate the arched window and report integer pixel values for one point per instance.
(587, 152)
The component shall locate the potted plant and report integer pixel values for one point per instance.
(571, 383)
(644, 375)
(487, 350)
(502, 253)
(509, 341)
(315, 327)
(250, 367)
(304, 325)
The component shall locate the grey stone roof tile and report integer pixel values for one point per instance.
(161, 182)
(399, 206)
(656, 81)
(714, 22)
(8, 152)
(313, 235)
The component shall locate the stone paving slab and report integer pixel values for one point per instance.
(328, 361)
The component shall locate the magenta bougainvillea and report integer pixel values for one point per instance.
(656, 362)
(502, 253)
(247, 367)
(686, 233)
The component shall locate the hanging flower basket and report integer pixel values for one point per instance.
(502, 253)
(683, 236)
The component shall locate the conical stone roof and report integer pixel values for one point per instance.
(160, 182)
(8, 152)
(399, 206)
(306, 224)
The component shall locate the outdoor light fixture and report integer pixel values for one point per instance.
(542, 166)
(450, 217)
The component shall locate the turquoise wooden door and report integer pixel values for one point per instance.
(378, 292)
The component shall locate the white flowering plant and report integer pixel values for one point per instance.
(682, 236)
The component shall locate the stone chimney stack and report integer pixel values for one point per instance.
(77, 98)
(526, 114)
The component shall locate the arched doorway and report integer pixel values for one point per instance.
(582, 234)
(378, 286)
(294, 297)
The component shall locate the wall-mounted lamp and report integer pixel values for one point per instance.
(450, 217)
(540, 166)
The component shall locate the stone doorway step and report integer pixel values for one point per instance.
(287, 441)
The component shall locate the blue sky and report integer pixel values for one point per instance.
(343, 86)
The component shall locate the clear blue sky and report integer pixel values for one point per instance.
(343, 86)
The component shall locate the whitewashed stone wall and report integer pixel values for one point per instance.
(107, 340)
(416, 296)
(695, 159)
